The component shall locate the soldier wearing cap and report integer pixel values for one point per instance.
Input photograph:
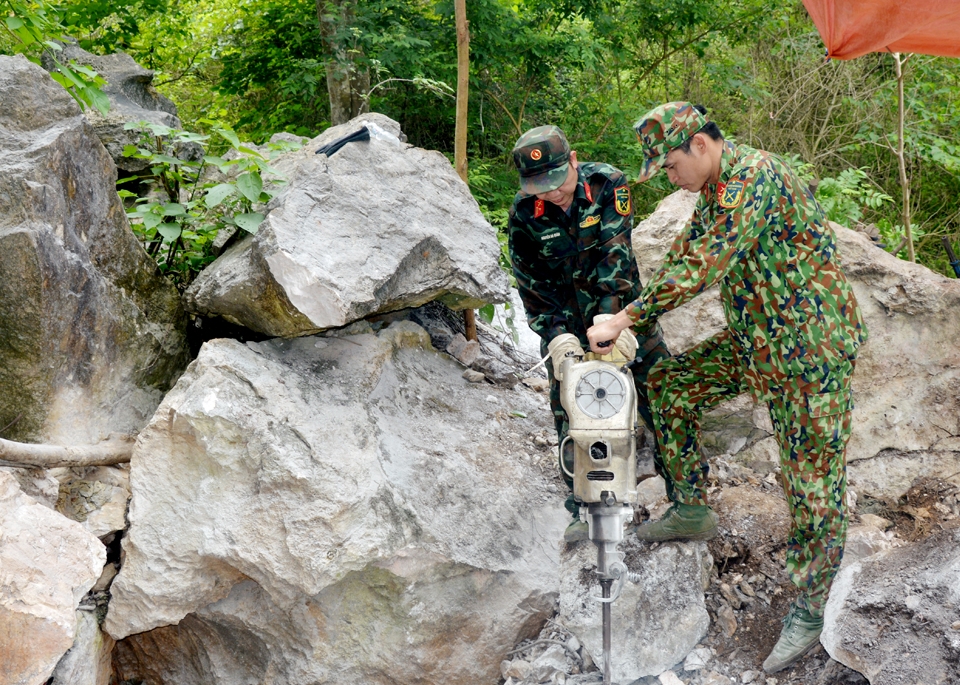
(569, 241)
(793, 331)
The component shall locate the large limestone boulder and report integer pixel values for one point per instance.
(90, 334)
(47, 564)
(132, 99)
(656, 622)
(907, 413)
(895, 616)
(377, 227)
(335, 509)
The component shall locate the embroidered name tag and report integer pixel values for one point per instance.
(548, 236)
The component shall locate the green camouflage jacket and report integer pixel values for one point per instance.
(761, 235)
(572, 267)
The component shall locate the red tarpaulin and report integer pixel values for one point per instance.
(851, 28)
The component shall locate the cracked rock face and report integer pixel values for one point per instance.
(894, 616)
(329, 510)
(91, 335)
(654, 623)
(377, 227)
(907, 413)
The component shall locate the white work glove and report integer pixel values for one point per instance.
(626, 344)
(559, 347)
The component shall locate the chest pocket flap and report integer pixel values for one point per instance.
(555, 244)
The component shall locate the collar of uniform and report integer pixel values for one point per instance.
(580, 194)
(728, 161)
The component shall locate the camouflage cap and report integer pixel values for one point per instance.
(542, 156)
(664, 128)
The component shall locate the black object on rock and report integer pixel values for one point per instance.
(330, 148)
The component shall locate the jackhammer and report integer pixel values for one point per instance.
(601, 404)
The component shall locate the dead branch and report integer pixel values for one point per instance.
(116, 450)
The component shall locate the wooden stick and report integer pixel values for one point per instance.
(460, 132)
(29, 456)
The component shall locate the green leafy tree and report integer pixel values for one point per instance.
(845, 197)
(35, 26)
(179, 222)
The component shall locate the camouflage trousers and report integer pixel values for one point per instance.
(652, 349)
(811, 419)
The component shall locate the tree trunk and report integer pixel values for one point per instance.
(901, 160)
(347, 83)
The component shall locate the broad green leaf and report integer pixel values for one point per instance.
(13, 23)
(173, 209)
(166, 159)
(218, 194)
(150, 220)
(83, 69)
(125, 194)
(169, 231)
(25, 35)
(249, 222)
(61, 79)
(158, 129)
(98, 99)
(229, 135)
(71, 76)
(487, 312)
(128, 178)
(250, 185)
(246, 150)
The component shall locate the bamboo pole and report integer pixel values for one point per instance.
(30, 456)
(901, 161)
(460, 136)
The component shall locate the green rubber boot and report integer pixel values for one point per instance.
(801, 633)
(576, 531)
(681, 522)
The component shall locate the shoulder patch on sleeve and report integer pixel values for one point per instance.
(731, 194)
(538, 209)
(621, 200)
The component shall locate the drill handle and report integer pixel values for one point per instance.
(562, 464)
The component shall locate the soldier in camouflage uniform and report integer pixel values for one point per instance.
(569, 240)
(793, 331)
